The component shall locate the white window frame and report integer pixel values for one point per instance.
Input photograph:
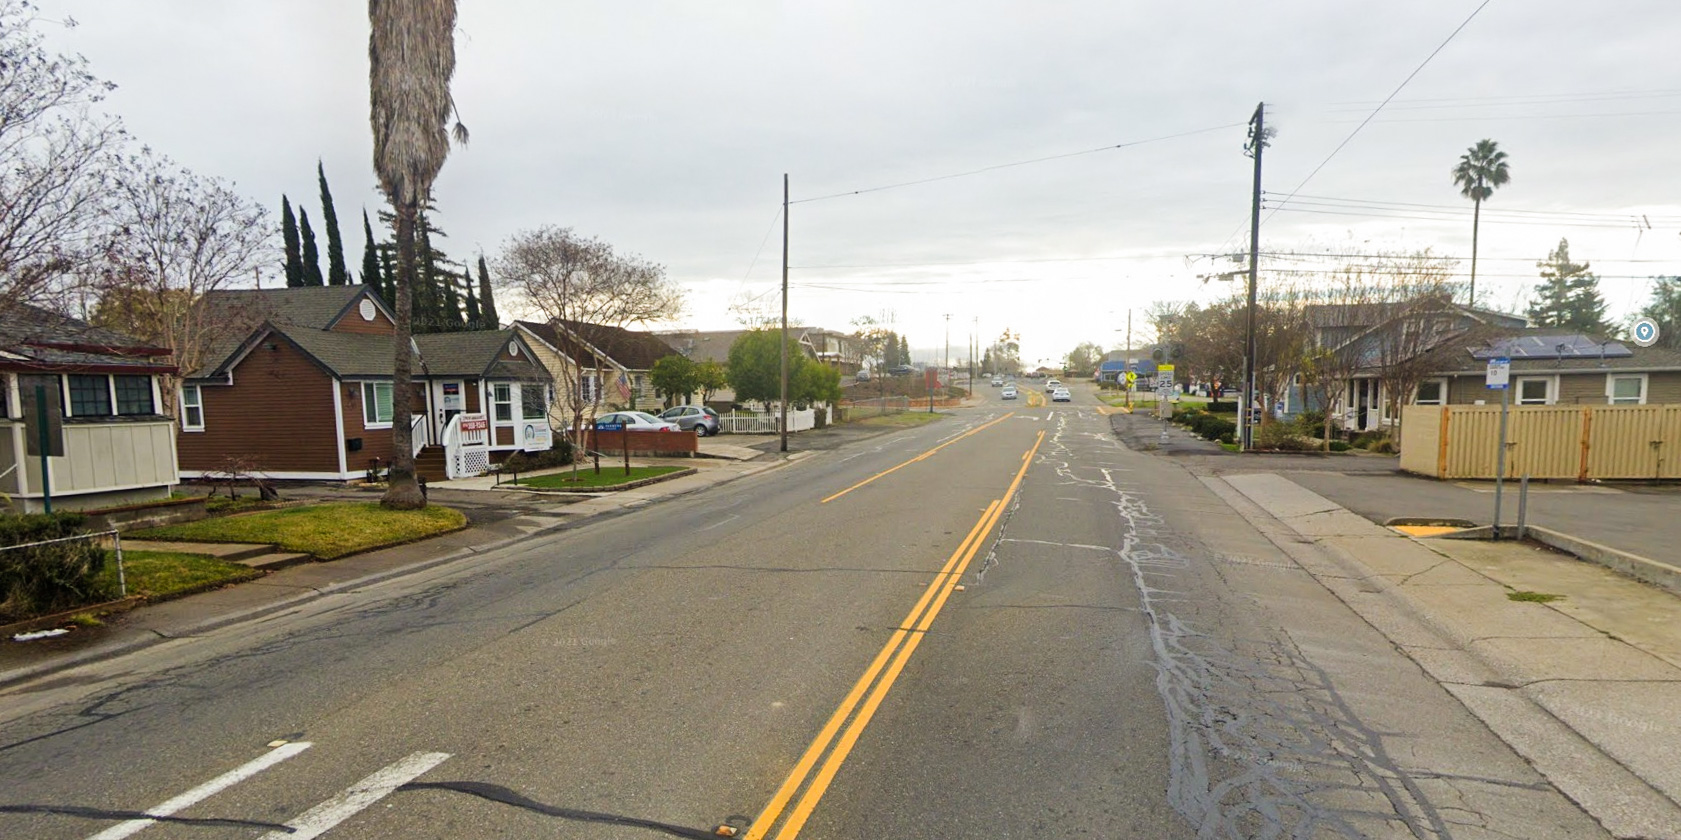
(1517, 390)
(189, 406)
(589, 387)
(1611, 388)
(511, 402)
(1439, 380)
(370, 400)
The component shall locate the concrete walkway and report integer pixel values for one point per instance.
(1587, 687)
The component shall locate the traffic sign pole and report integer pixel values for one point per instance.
(1500, 377)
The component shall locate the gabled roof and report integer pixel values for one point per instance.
(242, 310)
(35, 339)
(562, 342)
(629, 349)
(475, 354)
(703, 345)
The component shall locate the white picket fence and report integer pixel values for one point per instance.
(765, 424)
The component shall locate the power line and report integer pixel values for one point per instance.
(1374, 214)
(1456, 208)
(1013, 261)
(1537, 98)
(996, 167)
(1392, 94)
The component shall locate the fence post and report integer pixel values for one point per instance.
(1442, 444)
(1587, 428)
(122, 577)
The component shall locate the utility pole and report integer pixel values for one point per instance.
(1257, 142)
(1127, 358)
(783, 425)
(947, 363)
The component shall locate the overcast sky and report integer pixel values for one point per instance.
(665, 129)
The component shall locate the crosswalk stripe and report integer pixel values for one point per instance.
(204, 791)
(322, 818)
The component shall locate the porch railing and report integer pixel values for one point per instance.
(467, 445)
(417, 433)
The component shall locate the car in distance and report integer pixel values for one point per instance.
(1052, 385)
(997, 381)
(863, 375)
(1009, 392)
(703, 420)
(635, 421)
(1061, 394)
(900, 370)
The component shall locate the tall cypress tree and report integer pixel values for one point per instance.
(337, 275)
(451, 315)
(370, 255)
(289, 231)
(487, 300)
(311, 256)
(475, 317)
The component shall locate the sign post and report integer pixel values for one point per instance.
(1499, 378)
(1164, 390)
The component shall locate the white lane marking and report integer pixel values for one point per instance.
(204, 791)
(322, 818)
(1059, 544)
(721, 523)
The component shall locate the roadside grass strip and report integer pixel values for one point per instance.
(160, 574)
(850, 719)
(587, 477)
(324, 531)
(902, 420)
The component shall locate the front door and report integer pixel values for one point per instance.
(451, 400)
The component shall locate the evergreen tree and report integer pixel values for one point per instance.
(337, 275)
(904, 351)
(387, 277)
(475, 318)
(449, 316)
(370, 255)
(1568, 296)
(1665, 308)
(311, 256)
(289, 231)
(487, 300)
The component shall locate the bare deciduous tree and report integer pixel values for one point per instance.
(570, 280)
(177, 236)
(56, 156)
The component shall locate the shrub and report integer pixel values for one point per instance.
(1229, 438)
(1383, 447)
(1185, 415)
(1280, 436)
(49, 578)
(1216, 406)
(1340, 446)
(1209, 427)
(559, 456)
(1311, 422)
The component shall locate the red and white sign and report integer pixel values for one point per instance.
(474, 423)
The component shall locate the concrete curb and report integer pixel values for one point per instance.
(1651, 572)
(114, 650)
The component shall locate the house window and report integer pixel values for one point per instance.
(532, 406)
(502, 398)
(376, 405)
(587, 389)
(1535, 390)
(134, 395)
(90, 396)
(1432, 392)
(192, 409)
(1626, 389)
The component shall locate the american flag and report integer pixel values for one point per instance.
(624, 386)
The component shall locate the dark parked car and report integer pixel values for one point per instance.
(703, 420)
(900, 370)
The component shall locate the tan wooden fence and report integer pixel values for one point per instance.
(1580, 442)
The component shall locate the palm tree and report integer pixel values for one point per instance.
(1480, 170)
(411, 57)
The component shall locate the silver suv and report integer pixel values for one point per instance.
(703, 420)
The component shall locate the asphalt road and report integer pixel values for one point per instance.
(1004, 624)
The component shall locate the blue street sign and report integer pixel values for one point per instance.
(609, 427)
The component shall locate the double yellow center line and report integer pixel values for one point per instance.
(881, 674)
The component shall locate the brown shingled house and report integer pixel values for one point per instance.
(303, 391)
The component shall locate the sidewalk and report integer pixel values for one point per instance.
(197, 614)
(1586, 687)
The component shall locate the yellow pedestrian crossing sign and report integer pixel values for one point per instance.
(1132, 377)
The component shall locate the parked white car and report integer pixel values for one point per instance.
(635, 421)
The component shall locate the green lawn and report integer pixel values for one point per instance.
(902, 420)
(158, 574)
(325, 531)
(587, 477)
